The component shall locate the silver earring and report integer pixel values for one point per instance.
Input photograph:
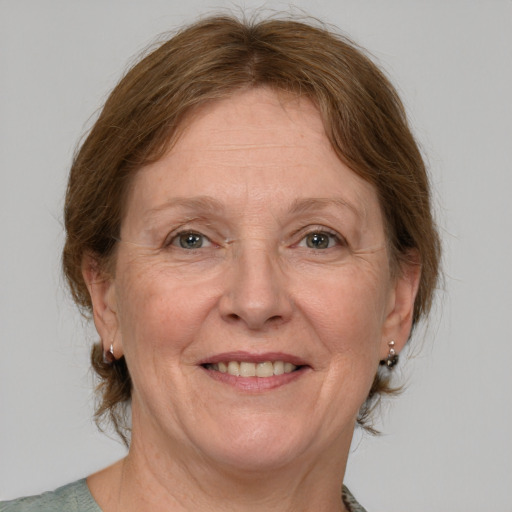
(108, 356)
(392, 358)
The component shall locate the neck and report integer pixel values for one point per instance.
(156, 479)
(149, 485)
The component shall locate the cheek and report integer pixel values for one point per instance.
(347, 309)
(160, 314)
(160, 320)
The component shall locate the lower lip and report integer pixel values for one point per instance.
(256, 384)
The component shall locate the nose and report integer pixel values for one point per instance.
(255, 291)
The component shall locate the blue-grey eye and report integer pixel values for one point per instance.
(191, 240)
(319, 240)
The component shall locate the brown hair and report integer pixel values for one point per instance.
(363, 117)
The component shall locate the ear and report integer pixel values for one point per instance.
(398, 323)
(101, 288)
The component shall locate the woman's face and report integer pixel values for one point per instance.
(252, 296)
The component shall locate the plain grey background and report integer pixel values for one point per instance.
(447, 442)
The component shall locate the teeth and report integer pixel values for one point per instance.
(278, 368)
(233, 368)
(289, 367)
(265, 369)
(246, 369)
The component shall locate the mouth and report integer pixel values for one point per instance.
(261, 370)
(255, 372)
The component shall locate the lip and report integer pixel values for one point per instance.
(255, 384)
(250, 357)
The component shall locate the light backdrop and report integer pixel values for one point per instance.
(447, 442)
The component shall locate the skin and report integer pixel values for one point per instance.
(255, 176)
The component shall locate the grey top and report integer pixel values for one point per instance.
(76, 497)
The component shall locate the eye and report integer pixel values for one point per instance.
(320, 240)
(190, 240)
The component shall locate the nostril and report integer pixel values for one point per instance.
(255, 309)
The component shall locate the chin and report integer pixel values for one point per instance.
(247, 447)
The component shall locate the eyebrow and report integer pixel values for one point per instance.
(308, 205)
(209, 206)
(204, 204)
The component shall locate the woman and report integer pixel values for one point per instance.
(249, 224)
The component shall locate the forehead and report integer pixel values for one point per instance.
(255, 148)
(261, 109)
(257, 126)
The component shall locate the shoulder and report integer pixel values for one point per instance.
(350, 502)
(74, 497)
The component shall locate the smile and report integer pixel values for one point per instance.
(249, 369)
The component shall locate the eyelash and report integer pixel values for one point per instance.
(333, 236)
(174, 240)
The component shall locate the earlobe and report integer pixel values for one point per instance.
(398, 323)
(101, 288)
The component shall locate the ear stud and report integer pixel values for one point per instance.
(392, 358)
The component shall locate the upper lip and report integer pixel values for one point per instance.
(249, 357)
